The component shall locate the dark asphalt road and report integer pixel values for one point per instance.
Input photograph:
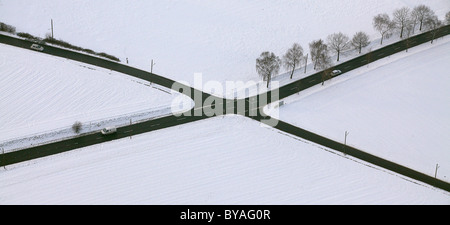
(205, 112)
(354, 152)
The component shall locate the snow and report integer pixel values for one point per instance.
(396, 108)
(208, 162)
(220, 39)
(223, 160)
(252, 88)
(42, 96)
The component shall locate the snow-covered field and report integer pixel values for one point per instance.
(43, 95)
(220, 38)
(208, 162)
(395, 111)
(396, 108)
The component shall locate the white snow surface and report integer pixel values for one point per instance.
(221, 160)
(228, 160)
(45, 95)
(220, 39)
(396, 108)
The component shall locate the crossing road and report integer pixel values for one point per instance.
(218, 106)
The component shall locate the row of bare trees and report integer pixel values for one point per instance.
(268, 63)
(404, 20)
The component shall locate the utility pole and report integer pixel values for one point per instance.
(151, 69)
(435, 172)
(306, 62)
(345, 140)
(52, 28)
(344, 148)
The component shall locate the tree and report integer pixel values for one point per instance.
(422, 12)
(266, 65)
(383, 24)
(323, 61)
(413, 19)
(409, 28)
(293, 57)
(401, 18)
(326, 73)
(318, 50)
(338, 42)
(360, 40)
(7, 28)
(76, 127)
(433, 24)
(447, 18)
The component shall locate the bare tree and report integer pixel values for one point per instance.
(323, 62)
(409, 30)
(401, 18)
(383, 24)
(413, 19)
(338, 42)
(266, 65)
(292, 58)
(326, 74)
(447, 18)
(433, 24)
(318, 50)
(76, 127)
(360, 40)
(422, 12)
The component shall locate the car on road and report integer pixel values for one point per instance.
(37, 47)
(335, 72)
(109, 130)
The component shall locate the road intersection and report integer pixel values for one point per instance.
(207, 105)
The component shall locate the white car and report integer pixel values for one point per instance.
(37, 47)
(109, 130)
(335, 72)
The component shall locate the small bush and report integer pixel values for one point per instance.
(62, 43)
(7, 28)
(49, 39)
(89, 51)
(76, 127)
(108, 56)
(30, 37)
(26, 35)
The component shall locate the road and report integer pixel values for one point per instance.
(252, 107)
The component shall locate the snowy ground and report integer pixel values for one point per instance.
(198, 163)
(220, 38)
(251, 88)
(209, 162)
(396, 108)
(42, 96)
